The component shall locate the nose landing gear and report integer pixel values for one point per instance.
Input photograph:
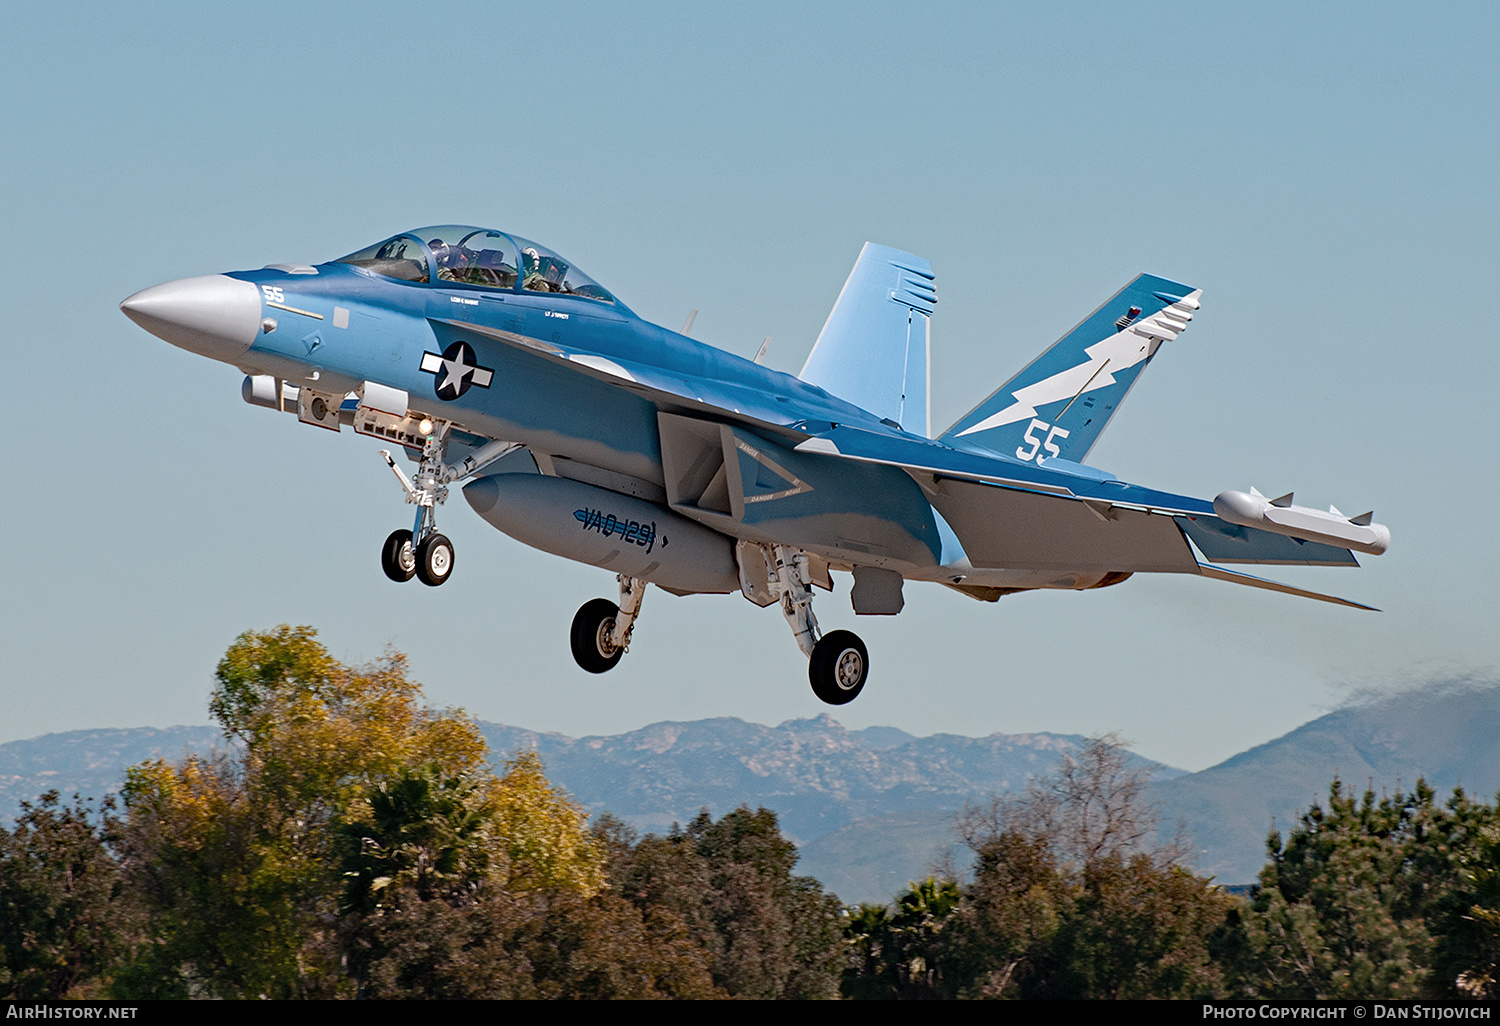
(422, 552)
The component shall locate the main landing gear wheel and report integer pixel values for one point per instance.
(397, 558)
(838, 667)
(434, 559)
(592, 636)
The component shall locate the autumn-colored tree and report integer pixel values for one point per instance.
(543, 834)
(233, 855)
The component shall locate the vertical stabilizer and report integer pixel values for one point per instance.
(873, 349)
(1060, 404)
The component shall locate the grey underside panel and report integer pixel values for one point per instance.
(1222, 542)
(1219, 574)
(1004, 528)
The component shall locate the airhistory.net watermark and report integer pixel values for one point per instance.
(25, 1011)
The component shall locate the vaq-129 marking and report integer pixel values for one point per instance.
(580, 429)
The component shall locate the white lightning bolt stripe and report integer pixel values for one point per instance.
(1120, 351)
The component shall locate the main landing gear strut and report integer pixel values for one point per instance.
(837, 662)
(422, 552)
(601, 629)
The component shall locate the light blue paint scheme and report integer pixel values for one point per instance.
(951, 554)
(815, 463)
(1058, 464)
(1091, 401)
(873, 347)
(824, 505)
(1054, 477)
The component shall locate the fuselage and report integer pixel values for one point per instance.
(580, 429)
(529, 399)
(505, 340)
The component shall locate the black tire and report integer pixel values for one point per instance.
(838, 667)
(434, 560)
(592, 625)
(397, 558)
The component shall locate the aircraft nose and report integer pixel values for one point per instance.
(214, 315)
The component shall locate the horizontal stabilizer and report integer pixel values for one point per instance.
(1286, 589)
(1060, 404)
(872, 350)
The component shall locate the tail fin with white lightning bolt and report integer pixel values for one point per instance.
(1061, 402)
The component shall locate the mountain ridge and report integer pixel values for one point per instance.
(874, 808)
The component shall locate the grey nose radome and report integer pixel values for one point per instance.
(215, 315)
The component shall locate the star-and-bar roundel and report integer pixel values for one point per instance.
(455, 369)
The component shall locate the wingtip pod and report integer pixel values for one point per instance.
(1279, 516)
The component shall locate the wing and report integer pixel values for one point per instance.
(1065, 516)
(1045, 514)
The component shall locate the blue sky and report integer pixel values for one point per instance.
(1326, 174)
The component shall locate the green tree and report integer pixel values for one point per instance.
(485, 887)
(1073, 897)
(1138, 929)
(901, 952)
(1370, 898)
(424, 832)
(541, 923)
(767, 932)
(1005, 930)
(423, 835)
(63, 920)
(1480, 975)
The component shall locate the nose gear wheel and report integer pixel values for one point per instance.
(397, 557)
(434, 559)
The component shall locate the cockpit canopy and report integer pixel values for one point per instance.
(465, 255)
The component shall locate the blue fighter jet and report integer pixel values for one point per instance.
(580, 429)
